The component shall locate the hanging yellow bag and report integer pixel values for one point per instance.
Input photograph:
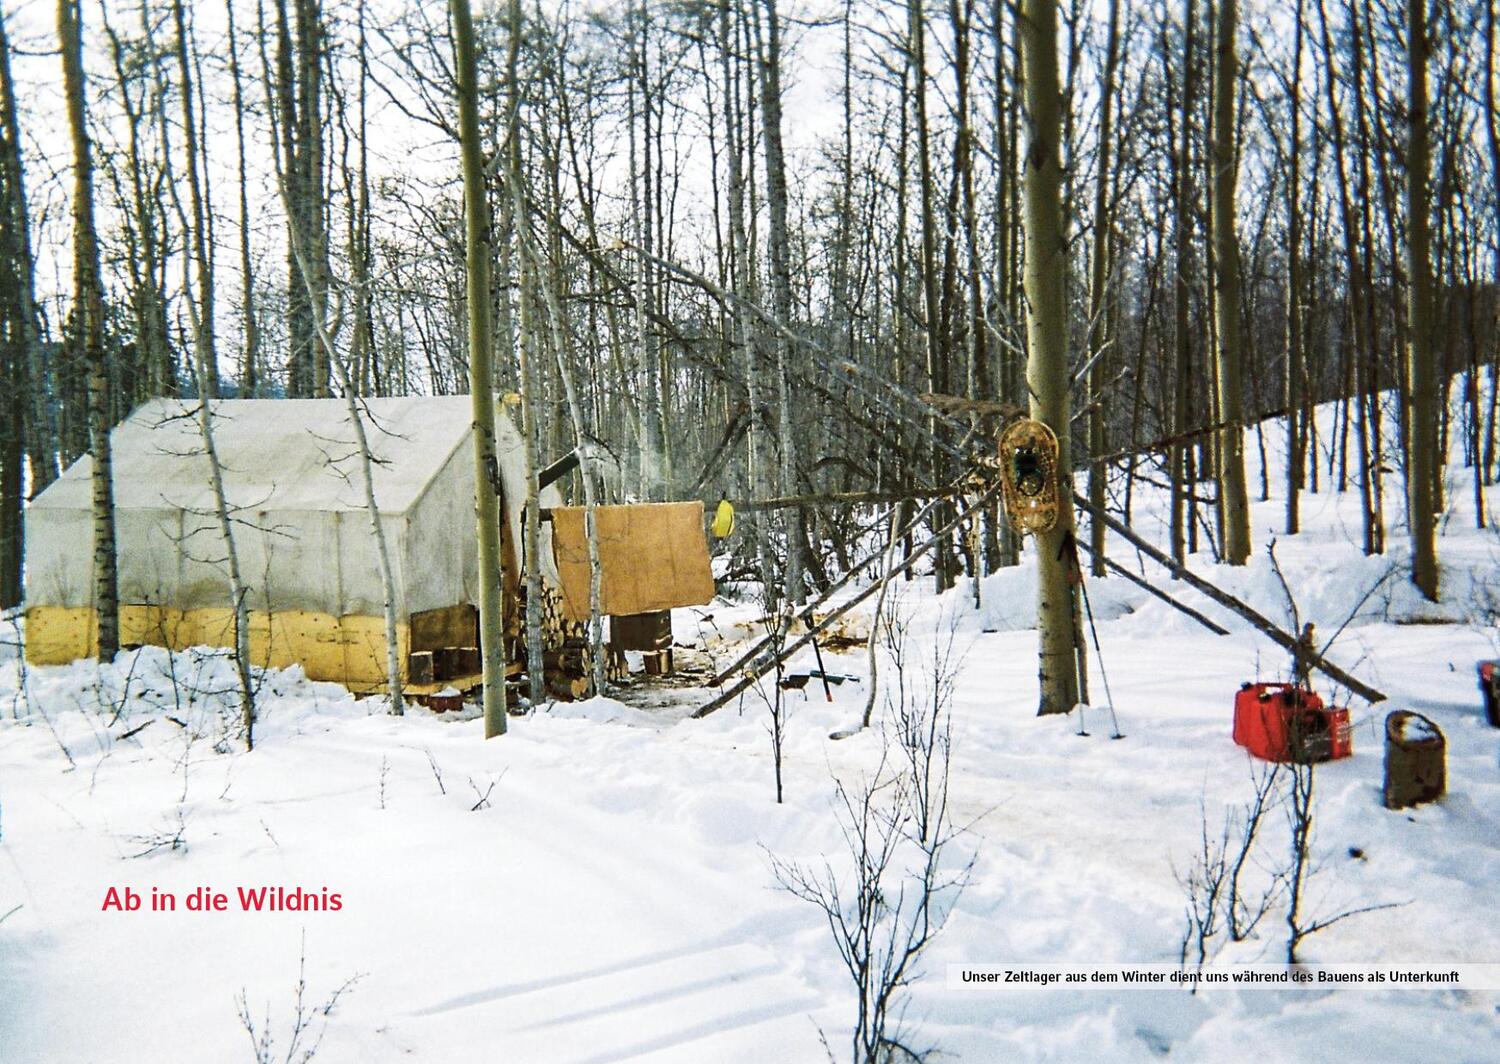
(723, 520)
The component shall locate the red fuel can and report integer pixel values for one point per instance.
(1282, 722)
(1489, 690)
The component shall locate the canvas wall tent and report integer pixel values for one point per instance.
(306, 551)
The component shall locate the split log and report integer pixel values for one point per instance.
(568, 688)
(1259, 621)
(569, 660)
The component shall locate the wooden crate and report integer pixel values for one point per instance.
(455, 661)
(641, 631)
(420, 668)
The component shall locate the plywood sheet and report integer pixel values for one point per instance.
(652, 556)
(349, 650)
(56, 635)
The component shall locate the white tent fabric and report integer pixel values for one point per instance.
(301, 527)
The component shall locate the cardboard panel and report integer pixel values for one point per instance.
(652, 556)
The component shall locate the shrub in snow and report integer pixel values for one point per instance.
(890, 892)
(309, 1022)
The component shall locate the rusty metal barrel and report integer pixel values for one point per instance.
(1416, 760)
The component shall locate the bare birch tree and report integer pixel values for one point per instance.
(88, 297)
(1421, 373)
(487, 487)
(1232, 491)
(1047, 347)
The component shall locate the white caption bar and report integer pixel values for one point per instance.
(1003, 978)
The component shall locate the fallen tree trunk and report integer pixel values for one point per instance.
(1259, 621)
(842, 582)
(843, 498)
(764, 666)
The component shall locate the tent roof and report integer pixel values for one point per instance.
(279, 454)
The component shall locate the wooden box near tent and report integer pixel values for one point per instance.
(650, 633)
(641, 631)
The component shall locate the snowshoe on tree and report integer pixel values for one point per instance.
(1028, 476)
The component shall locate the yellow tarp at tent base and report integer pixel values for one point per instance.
(350, 650)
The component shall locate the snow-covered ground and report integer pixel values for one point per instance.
(598, 885)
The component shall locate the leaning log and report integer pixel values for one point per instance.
(761, 667)
(844, 498)
(961, 406)
(1141, 582)
(759, 647)
(1259, 621)
(1183, 437)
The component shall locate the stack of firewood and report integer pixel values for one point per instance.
(565, 646)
